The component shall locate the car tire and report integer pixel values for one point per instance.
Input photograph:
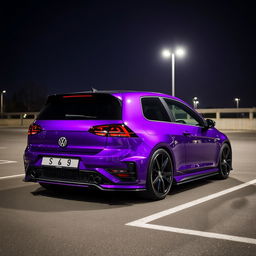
(225, 161)
(159, 176)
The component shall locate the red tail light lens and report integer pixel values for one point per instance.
(77, 96)
(34, 129)
(112, 130)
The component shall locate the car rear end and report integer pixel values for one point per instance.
(81, 140)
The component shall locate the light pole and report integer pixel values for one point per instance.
(195, 102)
(2, 102)
(167, 53)
(237, 102)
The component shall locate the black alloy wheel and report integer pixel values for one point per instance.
(160, 175)
(225, 162)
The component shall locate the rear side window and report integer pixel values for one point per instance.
(82, 107)
(153, 109)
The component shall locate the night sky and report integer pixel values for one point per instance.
(76, 45)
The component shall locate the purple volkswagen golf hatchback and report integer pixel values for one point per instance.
(123, 140)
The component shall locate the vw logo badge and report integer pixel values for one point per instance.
(62, 142)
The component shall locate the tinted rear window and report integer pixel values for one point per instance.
(153, 109)
(82, 107)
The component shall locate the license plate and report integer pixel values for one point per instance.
(60, 162)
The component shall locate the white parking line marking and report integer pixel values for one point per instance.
(144, 221)
(12, 176)
(3, 147)
(199, 233)
(7, 162)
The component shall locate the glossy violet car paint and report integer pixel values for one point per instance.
(145, 142)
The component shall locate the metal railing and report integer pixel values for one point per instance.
(219, 113)
(232, 118)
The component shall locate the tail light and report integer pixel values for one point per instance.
(77, 96)
(34, 129)
(112, 130)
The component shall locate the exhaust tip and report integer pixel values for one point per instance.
(33, 174)
(91, 179)
(97, 179)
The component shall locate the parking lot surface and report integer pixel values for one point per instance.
(207, 217)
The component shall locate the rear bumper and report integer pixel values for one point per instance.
(93, 170)
(119, 154)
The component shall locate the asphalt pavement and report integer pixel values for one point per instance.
(207, 217)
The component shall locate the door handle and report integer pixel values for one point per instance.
(186, 133)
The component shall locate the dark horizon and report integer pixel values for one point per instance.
(117, 45)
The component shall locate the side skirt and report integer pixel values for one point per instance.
(197, 176)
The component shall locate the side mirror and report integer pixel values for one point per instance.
(209, 123)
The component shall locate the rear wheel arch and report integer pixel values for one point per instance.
(227, 142)
(169, 151)
(171, 156)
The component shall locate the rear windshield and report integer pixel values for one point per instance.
(81, 107)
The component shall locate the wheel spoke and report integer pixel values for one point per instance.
(162, 159)
(226, 154)
(158, 186)
(157, 163)
(164, 164)
(156, 179)
(223, 164)
(163, 185)
(228, 165)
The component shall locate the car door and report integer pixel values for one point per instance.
(155, 111)
(201, 143)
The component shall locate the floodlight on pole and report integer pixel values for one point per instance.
(237, 102)
(167, 53)
(195, 102)
(180, 52)
(2, 102)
